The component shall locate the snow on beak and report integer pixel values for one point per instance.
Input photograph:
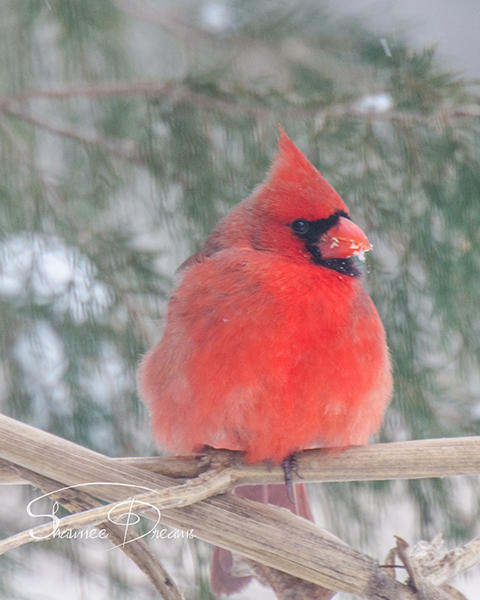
(343, 240)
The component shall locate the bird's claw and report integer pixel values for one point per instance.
(290, 465)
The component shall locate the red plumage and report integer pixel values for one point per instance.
(269, 346)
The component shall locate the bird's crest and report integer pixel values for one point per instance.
(295, 186)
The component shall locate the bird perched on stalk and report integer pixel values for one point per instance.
(271, 344)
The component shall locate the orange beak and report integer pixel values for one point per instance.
(343, 240)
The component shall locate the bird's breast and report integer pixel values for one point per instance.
(268, 356)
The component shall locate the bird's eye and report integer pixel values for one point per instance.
(300, 226)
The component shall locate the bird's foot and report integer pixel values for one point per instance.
(290, 465)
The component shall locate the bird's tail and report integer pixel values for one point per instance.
(221, 579)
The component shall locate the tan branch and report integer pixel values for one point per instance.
(10, 474)
(205, 486)
(136, 549)
(417, 459)
(255, 531)
(284, 586)
(420, 560)
(439, 566)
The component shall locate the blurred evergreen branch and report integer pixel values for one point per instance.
(245, 102)
(127, 129)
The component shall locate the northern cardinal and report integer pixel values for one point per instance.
(271, 344)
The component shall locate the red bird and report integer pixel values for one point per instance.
(271, 343)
